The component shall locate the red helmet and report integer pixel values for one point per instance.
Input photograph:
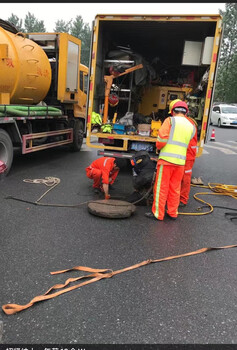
(180, 106)
(113, 100)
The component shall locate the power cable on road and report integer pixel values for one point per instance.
(216, 188)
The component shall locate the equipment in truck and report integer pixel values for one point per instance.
(113, 100)
(107, 128)
(108, 79)
(155, 126)
(182, 69)
(96, 118)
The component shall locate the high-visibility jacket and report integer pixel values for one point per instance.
(173, 139)
(96, 118)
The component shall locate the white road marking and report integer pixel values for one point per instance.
(204, 151)
(224, 150)
(85, 149)
(224, 144)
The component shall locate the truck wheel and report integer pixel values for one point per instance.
(6, 149)
(78, 133)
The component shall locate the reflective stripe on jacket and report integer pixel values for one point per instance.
(192, 147)
(181, 132)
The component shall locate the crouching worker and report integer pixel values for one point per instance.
(143, 171)
(103, 171)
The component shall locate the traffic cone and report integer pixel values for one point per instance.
(213, 136)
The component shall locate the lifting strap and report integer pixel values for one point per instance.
(94, 276)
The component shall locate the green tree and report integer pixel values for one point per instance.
(81, 30)
(16, 21)
(226, 83)
(62, 27)
(33, 25)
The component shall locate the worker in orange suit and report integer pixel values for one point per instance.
(103, 171)
(190, 159)
(172, 141)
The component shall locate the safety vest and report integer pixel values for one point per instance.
(181, 132)
(96, 118)
(107, 128)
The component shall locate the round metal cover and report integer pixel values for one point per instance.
(111, 208)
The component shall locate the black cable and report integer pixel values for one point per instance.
(20, 200)
(234, 216)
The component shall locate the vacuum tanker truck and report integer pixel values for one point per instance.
(42, 92)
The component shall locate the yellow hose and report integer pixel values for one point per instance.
(219, 190)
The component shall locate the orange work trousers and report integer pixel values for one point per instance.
(186, 181)
(167, 190)
(94, 174)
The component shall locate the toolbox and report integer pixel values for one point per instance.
(155, 126)
(119, 129)
(144, 129)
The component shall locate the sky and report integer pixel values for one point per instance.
(51, 12)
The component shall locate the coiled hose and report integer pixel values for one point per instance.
(219, 190)
(27, 111)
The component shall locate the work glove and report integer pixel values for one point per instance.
(107, 196)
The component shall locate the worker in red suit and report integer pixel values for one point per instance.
(103, 171)
(190, 159)
(172, 141)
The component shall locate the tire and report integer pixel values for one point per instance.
(219, 123)
(78, 134)
(6, 149)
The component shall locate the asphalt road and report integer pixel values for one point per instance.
(189, 300)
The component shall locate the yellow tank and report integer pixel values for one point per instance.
(25, 72)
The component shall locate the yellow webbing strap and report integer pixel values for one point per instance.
(96, 275)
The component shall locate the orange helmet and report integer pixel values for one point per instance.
(180, 106)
